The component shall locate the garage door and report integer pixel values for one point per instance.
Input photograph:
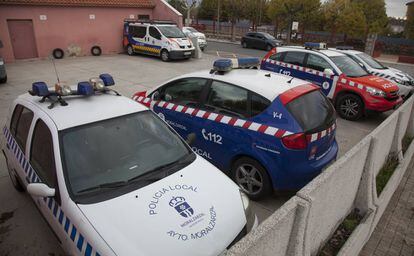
(22, 38)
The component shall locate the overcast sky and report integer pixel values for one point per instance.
(396, 8)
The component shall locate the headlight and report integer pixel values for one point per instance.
(376, 92)
(246, 203)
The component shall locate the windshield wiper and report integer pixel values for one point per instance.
(115, 184)
(153, 175)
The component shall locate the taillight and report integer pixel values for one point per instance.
(295, 141)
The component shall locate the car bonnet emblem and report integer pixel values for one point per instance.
(181, 206)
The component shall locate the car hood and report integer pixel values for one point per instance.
(196, 211)
(198, 34)
(376, 82)
(181, 41)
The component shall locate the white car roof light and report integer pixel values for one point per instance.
(317, 46)
(84, 88)
(225, 65)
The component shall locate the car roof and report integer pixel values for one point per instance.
(352, 52)
(267, 84)
(83, 110)
(327, 52)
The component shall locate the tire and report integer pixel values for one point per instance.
(251, 177)
(165, 55)
(3, 80)
(350, 107)
(96, 50)
(130, 50)
(58, 53)
(269, 47)
(15, 179)
(244, 44)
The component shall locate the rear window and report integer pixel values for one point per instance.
(313, 111)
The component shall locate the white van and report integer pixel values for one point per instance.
(162, 39)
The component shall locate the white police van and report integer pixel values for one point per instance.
(404, 81)
(111, 178)
(158, 38)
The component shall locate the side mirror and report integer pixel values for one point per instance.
(40, 189)
(155, 96)
(191, 138)
(328, 72)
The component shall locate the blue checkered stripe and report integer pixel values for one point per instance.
(77, 238)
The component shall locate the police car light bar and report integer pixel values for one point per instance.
(318, 46)
(39, 89)
(85, 88)
(107, 79)
(225, 65)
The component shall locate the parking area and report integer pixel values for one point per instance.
(22, 230)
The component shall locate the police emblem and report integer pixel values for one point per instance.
(181, 206)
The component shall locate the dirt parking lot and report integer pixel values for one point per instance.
(22, 230)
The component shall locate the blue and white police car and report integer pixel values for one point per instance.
(111, 178)
(265, 130)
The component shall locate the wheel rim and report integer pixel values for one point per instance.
(164, 55)
(249, 179)
(129, 50)
(349, 107)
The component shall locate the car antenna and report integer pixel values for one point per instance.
(54, 65)
(290, 80)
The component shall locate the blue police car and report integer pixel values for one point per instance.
(265, 130)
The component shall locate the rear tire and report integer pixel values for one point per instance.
(3, 80)
(15, 179)
(252, 178)
(96, 50)
(350, 107)
(58, 53)
(165, 55)
(130, 50)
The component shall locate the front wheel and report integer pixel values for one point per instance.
(252, 178)
(14, 179)
(130, 50)
(165, 55)
(350, 107)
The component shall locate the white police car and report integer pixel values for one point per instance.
(404, 81)
(111, 178)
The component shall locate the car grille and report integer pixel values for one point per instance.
(392, 96)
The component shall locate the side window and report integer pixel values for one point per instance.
(227, 99)
(184, 92)
(278, 56)
(295, 58)
(154, 33)
(317, 63)
(259, 104)
(138, 31)
(42, 157)
(20, 125)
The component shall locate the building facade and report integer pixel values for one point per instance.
(34, 28)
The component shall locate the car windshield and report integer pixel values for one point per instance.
(313, 111)
(192, 30)
(348, 66)
(119, 152)
(268, 36)
(371, 61)
(171, 31)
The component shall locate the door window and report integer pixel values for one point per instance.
(277, 57)
(227, 99)
(42, 157)
(185, 91)
(317, 63)
(20, 125)
(258, 104)
(295, 58)
(154, 33)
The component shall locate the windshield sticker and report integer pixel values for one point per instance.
(176, 125)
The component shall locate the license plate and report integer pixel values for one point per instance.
(187, 53)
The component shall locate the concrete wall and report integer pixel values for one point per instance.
(65, 26)
(306, 222)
